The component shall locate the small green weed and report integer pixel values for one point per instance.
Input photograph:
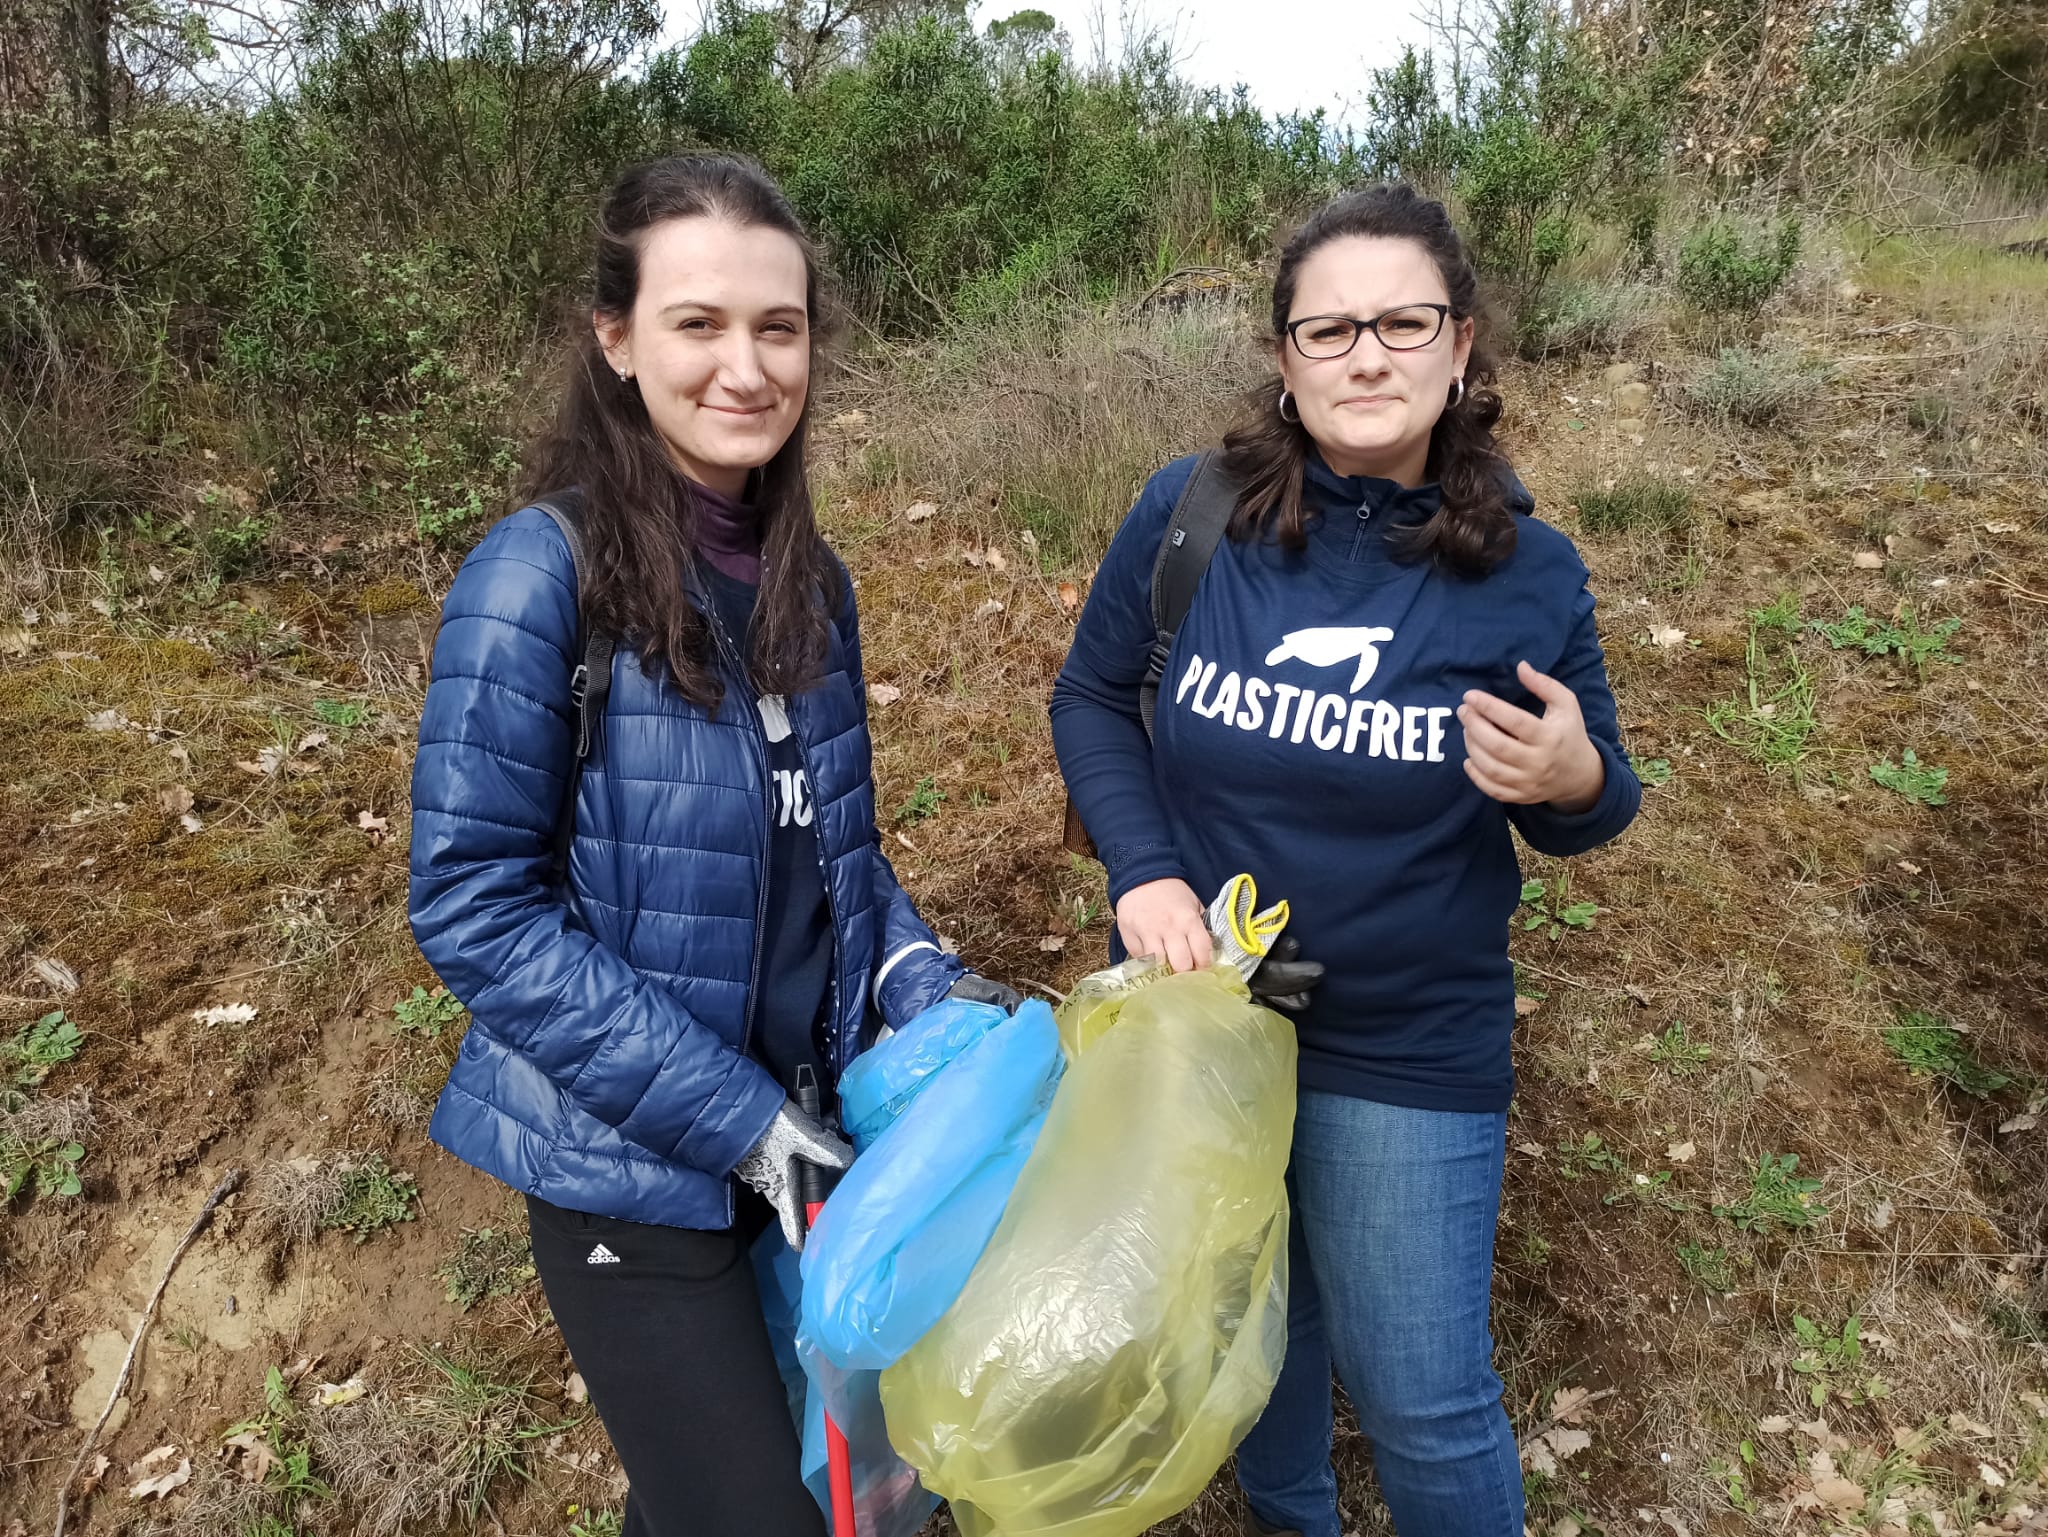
(1708, 1269)
(275, 1442)
(1832, 1363)
(373, 1196)
(488, 1263)
(37, 1048)
(1678, 1054)
(1891, 637)
(1637, 502)
(1778, 1197)
(1588, 1155)
(1550, 907)
(1733, 1477)
(923, 801)
(42, 1167)
(426, 1013)
(347, 714)
(1653, 772)
(488, 1424)
(593, 1523)
(1774, 719)
(1781, 614)
(1535, 1250)
(1913, 779)
(1928, 1045)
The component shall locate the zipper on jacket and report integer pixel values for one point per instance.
(754, 735)
(1358, 529)
(835, 1034)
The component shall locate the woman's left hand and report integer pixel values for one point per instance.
(1531, 760)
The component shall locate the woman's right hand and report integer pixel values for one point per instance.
(1166, 920)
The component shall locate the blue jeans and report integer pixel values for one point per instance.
(1390, 1274)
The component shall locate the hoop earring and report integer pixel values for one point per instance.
(1458, 398)
(1288, 413)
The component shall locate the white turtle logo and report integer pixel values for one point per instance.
(1331, 647)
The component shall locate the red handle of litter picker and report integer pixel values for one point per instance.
(838, 1460)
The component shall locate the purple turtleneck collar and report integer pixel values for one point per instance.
(728, 534)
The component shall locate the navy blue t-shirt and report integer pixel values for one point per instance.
(1307, 733)
(796, 935)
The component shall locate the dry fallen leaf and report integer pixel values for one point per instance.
(330, 1394)
(906, 843)
(1909, 1441)
(1052, 944)
(973, 558)
(176, 801)
(2001, 528)
(1565, 1526)
(1568, 1405)
(1963, 1425)
(191, 823)
(373, 824)
(312, 741)
(996, 560)
(883, 693)
(1868, 560)
(54, 973)
(108, 720)
(1775, 1425)
(917, 512)
(1993, 1479)
(2037, 1403)
(1070, 596)
(1840, 1493)
(1524, 1007)
(989, 609)
(1529, 1149)
(1682, 1152)
(1666, 636)
(255, 1462)
(578, 1392)
(156, 1488)
(2025, 1121)
(1640, 994)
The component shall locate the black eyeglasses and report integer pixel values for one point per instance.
(1403, 330)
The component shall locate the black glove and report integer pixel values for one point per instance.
(973, 989)
(1284, 979)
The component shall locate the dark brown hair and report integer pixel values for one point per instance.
(1474, 528)
(639, 515)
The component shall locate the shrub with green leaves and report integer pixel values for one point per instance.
(1577, 316)
(1723, 268)
(1931, 1047)
(37, 1048)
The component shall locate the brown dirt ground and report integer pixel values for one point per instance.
(1783, 918)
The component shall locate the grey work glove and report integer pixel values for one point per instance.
(1284, 979)
(973, 989)
(773, 1165)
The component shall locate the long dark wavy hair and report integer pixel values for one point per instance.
(1474, 529)
(639, 515)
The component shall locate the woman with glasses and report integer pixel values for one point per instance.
(1388, 664)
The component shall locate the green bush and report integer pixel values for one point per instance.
(1723, 270)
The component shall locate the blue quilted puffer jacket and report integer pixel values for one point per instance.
(605, 1068)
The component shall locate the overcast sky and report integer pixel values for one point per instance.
(1295, 55)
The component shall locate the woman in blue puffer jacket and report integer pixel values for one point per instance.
(725, 919)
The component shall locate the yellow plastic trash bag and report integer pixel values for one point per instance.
(1124, 1327)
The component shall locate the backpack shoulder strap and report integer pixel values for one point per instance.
(590, 685)
(1199, 519)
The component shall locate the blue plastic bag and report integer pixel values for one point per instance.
(886, 1078)
(894, 1244)
(888, 1501)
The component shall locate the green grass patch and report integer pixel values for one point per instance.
(1930, 1047)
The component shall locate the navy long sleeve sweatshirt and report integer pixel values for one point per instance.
(1307, 733)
